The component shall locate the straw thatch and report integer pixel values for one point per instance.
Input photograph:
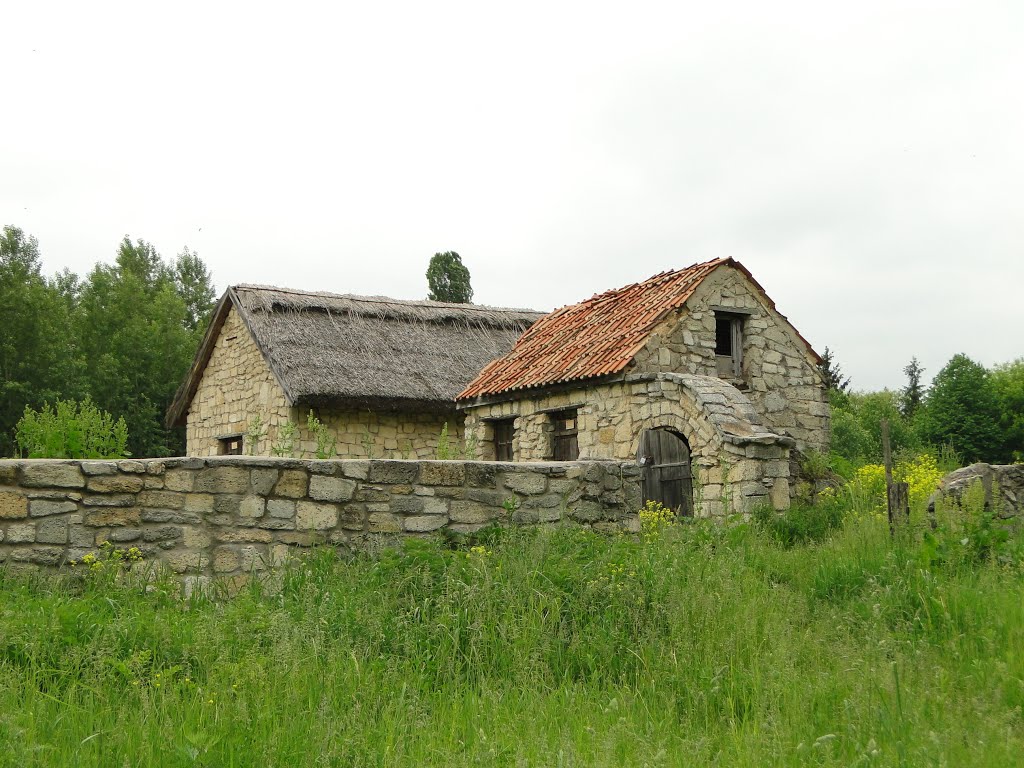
(363, 351)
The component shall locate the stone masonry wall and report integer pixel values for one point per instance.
(238, 385)
(779, 375)
(232, 515)
(734, 469)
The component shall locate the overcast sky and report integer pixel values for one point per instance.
(864, 160)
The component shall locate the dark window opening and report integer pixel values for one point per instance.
(504, 432)
(230, 446)
(723, 336)
(729, 344)
(564, 436)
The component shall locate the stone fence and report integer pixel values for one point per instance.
(232, 515)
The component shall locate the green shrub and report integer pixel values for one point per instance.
(71, 430)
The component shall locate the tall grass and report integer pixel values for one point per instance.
(688, 645)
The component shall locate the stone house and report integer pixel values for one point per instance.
(694, 374)
(381, 374)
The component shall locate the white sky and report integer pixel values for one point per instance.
(864, 160)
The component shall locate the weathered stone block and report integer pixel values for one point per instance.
(224, 479)
(8, 472)
(180, 561)
(109, 500)
(227, 504)
(132, 466)
(13, 506)
(229, 535)
(161, 499)
(252, 507)
(470, 512)
(277, 523)
(356, 470)
(225, 560)
(43, 507)
(432, 506)
(586, 511)
(442, 473)
(407, 505)
(54, 531)
(292, 484)
(199, 502)
(195, 537)
(162, 533)
(331, 488)
(393, 472)
(281, 508)
(481, 475)
(116, 484)
(262, 481)
(317, 517)
(526, 483)
(384, 522)
(99, 467)
(21, 534)
(80, 536)
(254, 558)
(47, 475)
(423, 523)
(123, 535)
(179, 480)
(116, 516)
(169, 516)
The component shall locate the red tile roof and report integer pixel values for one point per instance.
(596, 337)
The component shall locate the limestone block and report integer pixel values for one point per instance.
(13, 506)
(384, 522)
(227, 504)
(99, 467)
(393, 472)
(780, 494)
(318, 517)
(160, 499)
(254, 558)
(433, 506)
(116, 484)
(47, 475)
(195, 537)
(356, 470)
(262, 481)
(8, 472)
(222, 479)
(423, 523)
(124, 535)
(132, 466)
(53, 531)
(199, 502)
(21, 534)
(586, 511)
(281, 508)
(442, 473)
(109, 500)
(243, 535)
(111, 517)
(252, 507)
(44, 507)
(225, 560)
(179, 480)
(324, 488)
(292, 484)
(526, 483)
(471, 512)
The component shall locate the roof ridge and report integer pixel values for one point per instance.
(384, 299)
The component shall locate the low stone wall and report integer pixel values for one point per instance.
(1003, 486)
(236, 514)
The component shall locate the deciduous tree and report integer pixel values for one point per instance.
(448, 279)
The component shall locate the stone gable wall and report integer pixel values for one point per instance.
(232, 515)
(779, 375)
(238, 385)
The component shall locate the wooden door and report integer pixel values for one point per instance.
(667, 477)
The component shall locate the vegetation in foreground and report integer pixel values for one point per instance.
(812, 639)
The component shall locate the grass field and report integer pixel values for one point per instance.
(740, 645)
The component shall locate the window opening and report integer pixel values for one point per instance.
(564, 437)
(230, 445)
(729, 344)
(504, 432)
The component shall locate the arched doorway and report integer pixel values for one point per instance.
(667, 476)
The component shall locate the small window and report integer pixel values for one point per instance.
(504, 432)
(564, 441)
(230, 446)
(729, 344)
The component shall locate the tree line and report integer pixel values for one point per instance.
(123, 336)
(970, 412)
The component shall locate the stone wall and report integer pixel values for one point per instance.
(1002, 486)
(780, 375)
(233, 514)
(738, 463)
(238, 385)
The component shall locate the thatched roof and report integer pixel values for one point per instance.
(362, 351)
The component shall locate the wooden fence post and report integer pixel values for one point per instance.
(897, 495)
